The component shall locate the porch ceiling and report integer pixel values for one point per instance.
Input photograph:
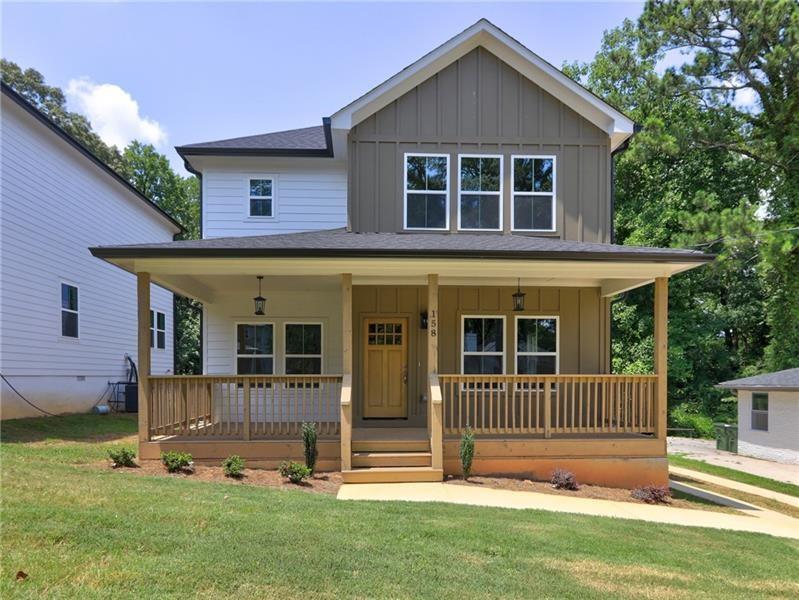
(205, 279)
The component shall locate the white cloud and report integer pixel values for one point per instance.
(113, 113)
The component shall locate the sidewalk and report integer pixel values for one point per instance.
(756, 520)
(734, 485)
(705, 450)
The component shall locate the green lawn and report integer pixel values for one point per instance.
(81, 530)
(678, 460)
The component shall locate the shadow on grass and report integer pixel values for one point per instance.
(72, 428)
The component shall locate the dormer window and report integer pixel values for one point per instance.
(261, 203)
(480, 192)
(426, 191)
(533, 202)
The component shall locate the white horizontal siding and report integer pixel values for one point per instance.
(781, 442)
(54, 205)
(306, 198)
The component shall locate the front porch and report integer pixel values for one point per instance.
(389, 396)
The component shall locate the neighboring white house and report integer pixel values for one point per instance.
(768, 415)
(67, 320)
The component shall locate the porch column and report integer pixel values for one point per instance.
(435, 424)
(143, 303)
(346, 361)
(660, 351)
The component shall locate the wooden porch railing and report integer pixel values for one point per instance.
(242, 407)
(546, 405)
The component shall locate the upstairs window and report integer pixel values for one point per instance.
(157, 329)
(426, 191)
(261, 197)
(536, 345)
(760, 411)
(480, 193)
(69, 310)
(533, 202)
(303, 349)
(255, 349)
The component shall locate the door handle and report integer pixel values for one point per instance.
(405, 375)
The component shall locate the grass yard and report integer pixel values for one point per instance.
(679, 460)
(80, 529)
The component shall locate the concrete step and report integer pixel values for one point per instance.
(392, 475)
(391, 459)
(390, 445)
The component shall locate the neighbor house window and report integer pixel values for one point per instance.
(483, 345)
(157, 329)
(255, 349)
(480, 192)
(760, 411)
(536, 345)
(69, 310)
(533, 201)
(303, 354)
(262, 197)
(426, 191)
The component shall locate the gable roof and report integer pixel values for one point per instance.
(484, 33)
(9, 92)
(787, 380)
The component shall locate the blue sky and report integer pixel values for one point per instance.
(176, 73)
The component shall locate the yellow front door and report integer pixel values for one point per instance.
(385, 368)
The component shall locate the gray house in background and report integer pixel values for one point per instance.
(768, 415)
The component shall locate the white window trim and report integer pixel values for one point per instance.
(517, 354)
(154, 330)
(504, 341)
(236, 354)
(499, 194)
(273, 179)
(405, 192)
(752, 412)
(67, 338)
(320, 356)
(553, 193)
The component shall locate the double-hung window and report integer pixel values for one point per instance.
(483, 345)
(426, 191)
(69, 311)
(533, 198)
(255, 353)
(480, 192)
(536, 345)
(261, 196)
(303, 354)
(157, 329)
(760, 411)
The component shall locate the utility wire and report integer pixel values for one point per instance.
(25, 399)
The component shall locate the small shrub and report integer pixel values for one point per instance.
(177, 461)
(122, 457)
(652, 494)
(233, 466)
(295, 472)
(467, 452)
(309, 441)
(689, 415)
(564, 480)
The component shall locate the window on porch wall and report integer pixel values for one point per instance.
(255, 349)
(483, 346)
(536, 345)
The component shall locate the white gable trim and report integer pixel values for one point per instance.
(484, 33)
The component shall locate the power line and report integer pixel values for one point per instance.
(25, 399)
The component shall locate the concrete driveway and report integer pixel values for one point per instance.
(706, 450)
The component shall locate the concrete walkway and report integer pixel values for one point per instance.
(755, 519)
(705, 450)
(734, 485)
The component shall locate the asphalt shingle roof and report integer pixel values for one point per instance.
(339, 242)
(305, 139)
(779, 380)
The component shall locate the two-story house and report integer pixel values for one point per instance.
(436, 255)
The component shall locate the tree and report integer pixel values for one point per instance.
(147, 170)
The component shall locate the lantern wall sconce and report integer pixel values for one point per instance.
(423, 319)
(259, 300)
(518, 297)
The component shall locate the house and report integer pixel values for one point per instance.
(67, 320)
(436, 255)
(768, 415)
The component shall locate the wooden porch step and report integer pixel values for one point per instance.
(391, 459)
(389, 445)
(392, 475)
